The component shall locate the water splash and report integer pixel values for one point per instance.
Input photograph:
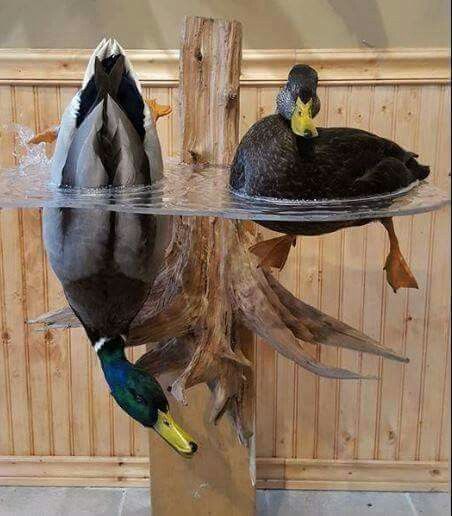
(26, 154)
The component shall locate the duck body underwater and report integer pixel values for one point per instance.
(106, 260)
(286, 156)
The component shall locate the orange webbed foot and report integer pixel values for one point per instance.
(398, 273)
(47, 136)
(158, 110)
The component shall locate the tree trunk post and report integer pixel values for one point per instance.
(219, 479)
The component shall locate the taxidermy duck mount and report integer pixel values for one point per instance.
(285, 156)
(107, 261)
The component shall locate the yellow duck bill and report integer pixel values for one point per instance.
(301, 121)
(174, 435)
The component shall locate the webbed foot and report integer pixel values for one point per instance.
(48, 136)
(398, 273)
(158, 110)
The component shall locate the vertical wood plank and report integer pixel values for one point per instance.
(6, 159)
(285, 374)
(48, 115)
(421, 248)
(162, 96)
(352, 295)
(374, 287)
(434, 431)
(14, 333)
(443, 449)
(396, 304)
(102, 412)
(174, 123)
(308, 250)
(35, 297)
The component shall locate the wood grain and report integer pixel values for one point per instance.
(160, 67)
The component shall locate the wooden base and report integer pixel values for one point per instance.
(217, 481)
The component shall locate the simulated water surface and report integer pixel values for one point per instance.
(193, 191)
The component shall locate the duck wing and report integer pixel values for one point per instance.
(272, 161)
(360, 162)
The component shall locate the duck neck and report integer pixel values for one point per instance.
(115, 365)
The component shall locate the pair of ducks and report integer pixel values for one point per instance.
(107, 261)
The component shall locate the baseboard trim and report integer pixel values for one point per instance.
(260, 67)
(75, 471)
(272, 473)
(360, 475)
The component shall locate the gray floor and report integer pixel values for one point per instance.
(56, 501)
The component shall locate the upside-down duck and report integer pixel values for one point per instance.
(107, 260)
(286, 156)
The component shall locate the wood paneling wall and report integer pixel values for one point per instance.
(311, 432)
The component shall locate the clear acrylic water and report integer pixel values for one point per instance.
(194, 190)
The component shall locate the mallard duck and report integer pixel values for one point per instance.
(287, 157)
(105, 260)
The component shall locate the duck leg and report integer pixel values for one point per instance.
(274, 252)
(398, 273)
(158, 110)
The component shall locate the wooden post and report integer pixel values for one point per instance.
(217, 481)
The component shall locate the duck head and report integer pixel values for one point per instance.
(139, 394)
(298, 101)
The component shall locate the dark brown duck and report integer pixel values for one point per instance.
(287, 157)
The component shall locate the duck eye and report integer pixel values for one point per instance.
(137, 396)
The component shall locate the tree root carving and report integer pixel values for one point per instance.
(210, 285)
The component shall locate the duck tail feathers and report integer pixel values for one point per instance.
(108, 48)
(108, 83)
(419, 171)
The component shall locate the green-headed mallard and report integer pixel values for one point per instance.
(286, 156)
(106, 260)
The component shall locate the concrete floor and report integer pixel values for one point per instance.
(63, 501)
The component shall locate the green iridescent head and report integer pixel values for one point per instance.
(140, 395)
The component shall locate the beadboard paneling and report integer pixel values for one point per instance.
(390, 432)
